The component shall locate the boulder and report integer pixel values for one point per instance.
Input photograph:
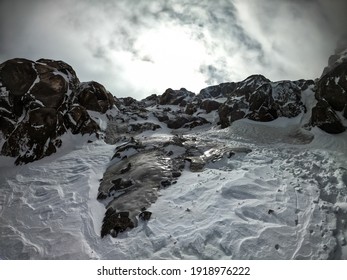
(209, 105)
(39, 102)
(325, 118)
(177, 122)
(36, 137)
(50, 90)
(93, 96)
(78, 120)
(141, 127)
(64, 69)
(190, 109)
(333, 87)
(17, 75)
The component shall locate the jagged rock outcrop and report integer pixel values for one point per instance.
(42, 100)
(324, 116)
(93, 96)
(258, 99)
(175, 97)
(331, 93)
(217, 91)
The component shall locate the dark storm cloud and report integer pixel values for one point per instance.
(139, 47)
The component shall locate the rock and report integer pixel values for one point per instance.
(190, 109)
(126, 169)
(115, 222)
(209, 105)
(141, 127)
(175, 97)
(218, 91)
(261, 104)
(145, 215)
(38, 103)
(93, 96)
(177, 122)
(196, 121)
(150, 100)
(6, 125)
(78, 120)
(333, 87)
(186, 122)
(325, 118)
(224, 113)
(50, 90)
(148, 169)
(18, 75)
(35, 138)
(120, 184)
(65, 69)
(161, 116)
(165, 183)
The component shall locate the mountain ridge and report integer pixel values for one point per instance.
(42, 100)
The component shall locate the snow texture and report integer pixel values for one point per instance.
(286, 199)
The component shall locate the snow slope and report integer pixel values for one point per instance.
(284, 200)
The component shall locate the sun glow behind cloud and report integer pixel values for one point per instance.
(170, 56)
(136, 48)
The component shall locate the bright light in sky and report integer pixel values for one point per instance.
(170, 56)
(136, 48)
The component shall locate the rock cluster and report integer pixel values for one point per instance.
(42, 100)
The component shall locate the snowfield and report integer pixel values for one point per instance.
(286, 199)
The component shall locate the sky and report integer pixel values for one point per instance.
(140, 47)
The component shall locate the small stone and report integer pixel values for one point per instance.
(165, 183)
(277, 246)
(271, 211)
(145, 215)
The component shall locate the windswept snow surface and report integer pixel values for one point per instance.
(284, 200)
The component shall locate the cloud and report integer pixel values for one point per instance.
(136, 48)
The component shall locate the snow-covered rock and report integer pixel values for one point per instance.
(42, 100)
(331, 88)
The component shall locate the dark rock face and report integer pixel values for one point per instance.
(209, 105)
(138, 171)
(325, 118)
(333, 87)
(331, 93)
(78, 120)
(42, 100)
(133, 189)
(18, 75)
(175, 97)
(218, 91)
(93, 96)
(258, 99)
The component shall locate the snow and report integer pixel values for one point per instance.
(276, 202)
